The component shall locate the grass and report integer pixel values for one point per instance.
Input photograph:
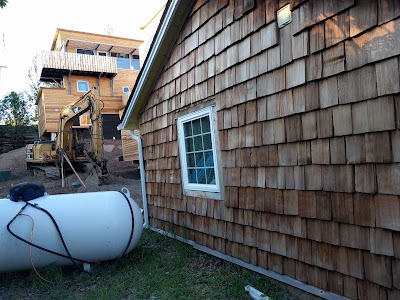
(158, 268)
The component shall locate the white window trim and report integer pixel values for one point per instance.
(85, 116)
(77, 85)
(182, 149)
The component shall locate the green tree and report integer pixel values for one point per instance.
(3, 3)
(15, 109)
(34, 86)
(34, 80)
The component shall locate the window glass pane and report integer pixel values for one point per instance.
(135, 64)
(192, 176)
(209, 159)
(83, 86)
(123, 61)
(84, 51)
(187, 128)
(85, 120)
(190, 160)
(205, 124)
(210, 176)
(199, 159)
(198, 143)
(201, 176)
(207, 141)
(189, 145)
(196, 127)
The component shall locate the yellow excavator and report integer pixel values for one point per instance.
(67, 150)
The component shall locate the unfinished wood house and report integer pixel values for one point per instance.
(79, 61)
(270, 137)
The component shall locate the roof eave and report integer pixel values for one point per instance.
(172, 23)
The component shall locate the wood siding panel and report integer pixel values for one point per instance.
(357, 85)
(337, 29)
(307, 118)
(365, 48)
(363, 17)
(333, 60)
(388, 10)
(387, 76)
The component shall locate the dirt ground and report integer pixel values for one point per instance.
(122, 174)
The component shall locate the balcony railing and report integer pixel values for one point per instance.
(56, 63)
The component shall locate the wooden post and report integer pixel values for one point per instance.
(62, 170)
(70, 164)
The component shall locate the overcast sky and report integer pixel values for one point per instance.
(27, 27)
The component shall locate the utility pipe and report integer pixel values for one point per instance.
(142, 179)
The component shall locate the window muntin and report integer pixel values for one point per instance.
(197, 150)
(83, 86)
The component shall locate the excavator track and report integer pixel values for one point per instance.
(47, 171)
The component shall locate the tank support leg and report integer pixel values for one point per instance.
(86, 267)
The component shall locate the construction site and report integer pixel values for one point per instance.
(121, 174)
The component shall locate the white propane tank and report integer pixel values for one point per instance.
(95, 227)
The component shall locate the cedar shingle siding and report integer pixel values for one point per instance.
(307, 120)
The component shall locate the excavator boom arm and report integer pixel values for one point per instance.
(64, 142)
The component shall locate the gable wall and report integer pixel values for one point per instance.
(308, 119)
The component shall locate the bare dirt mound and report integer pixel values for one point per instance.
(122, 174)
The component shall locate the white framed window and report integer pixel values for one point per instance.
(284, 16)
(196, 136)
(85, 120)
(135, 62)
(125, 89)
(83, 86)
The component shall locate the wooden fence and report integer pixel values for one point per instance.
(14, 137)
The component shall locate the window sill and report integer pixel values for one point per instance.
(202, 194)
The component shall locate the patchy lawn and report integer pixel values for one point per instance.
(159, 268)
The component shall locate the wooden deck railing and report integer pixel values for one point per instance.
(79, 62)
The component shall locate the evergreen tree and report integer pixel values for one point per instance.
(3, 3)
(15, 109)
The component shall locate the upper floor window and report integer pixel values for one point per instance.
(126, 61)
(135, 62)
(198, 151)
(84, 51)
(85, 120)
(83, 86)
(123, 61)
